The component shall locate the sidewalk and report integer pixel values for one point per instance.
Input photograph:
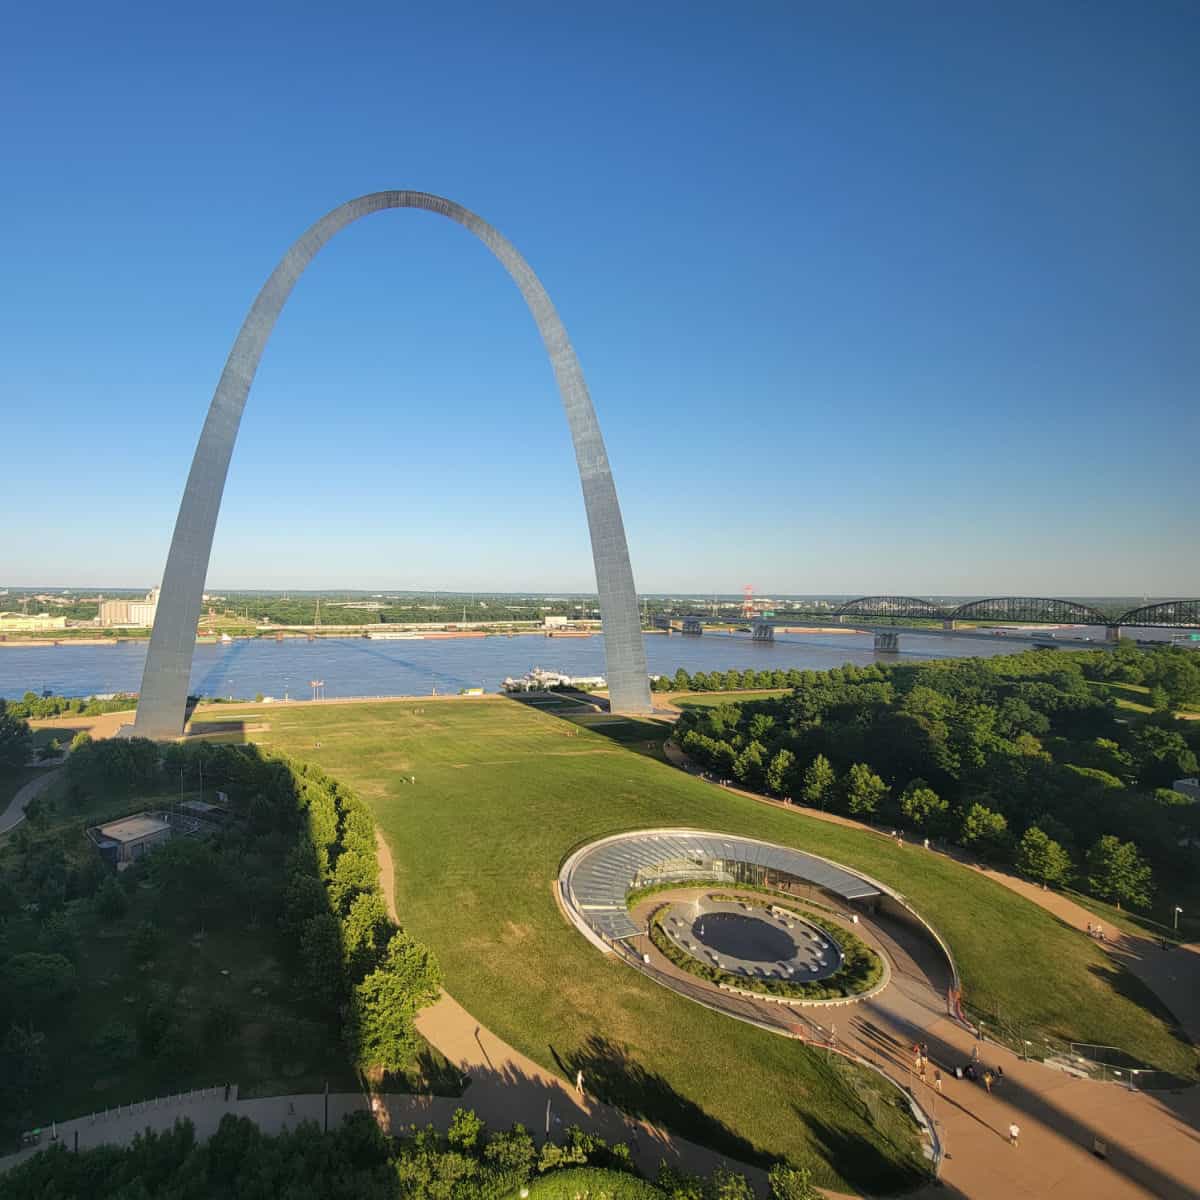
(14, 814)
(507, 1086)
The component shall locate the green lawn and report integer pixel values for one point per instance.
(591, 1183)
(1135, 697)
(502, 792)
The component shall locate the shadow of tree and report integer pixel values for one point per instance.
(611, 1075)
(1126, 984)
(861, 1164)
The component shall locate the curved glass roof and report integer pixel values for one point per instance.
(598, 878)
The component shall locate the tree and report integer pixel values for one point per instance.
(321, 951)
(365, 933)
(819, 782)
(15, 740)
(1163, 754)
(1176, 673)
(1042, 858)
(36, 984)
(513, 1151)
(779, 772)
(1116, 872)
(792, 1183)
(864, 790)
(921, 805)
(466, 1131)
(748, 766)
(984, 829)
(725, 1184)
(111, 901)
(381, 1030)
(1170, 798)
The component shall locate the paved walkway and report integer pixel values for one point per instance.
(507, 1086)
(14, 814)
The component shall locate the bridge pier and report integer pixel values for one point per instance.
(763, 631)
(887, 642)
(949, 624)
(1112, 633)
(693, 626)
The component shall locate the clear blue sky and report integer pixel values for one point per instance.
(869, 296)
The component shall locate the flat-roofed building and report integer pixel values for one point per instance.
(139, 613)
(125, 841)
(12, 622)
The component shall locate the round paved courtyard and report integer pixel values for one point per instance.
(749, 940)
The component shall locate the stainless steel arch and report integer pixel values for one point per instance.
(162, 705)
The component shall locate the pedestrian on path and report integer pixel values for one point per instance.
(937, 1081)
(579, 1081)
(987, 1081)
(1014, 1132)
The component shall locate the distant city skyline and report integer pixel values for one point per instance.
(734, 595)
(884, 299)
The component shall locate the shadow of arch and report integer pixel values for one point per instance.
(169, 660)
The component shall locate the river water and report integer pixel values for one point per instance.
(363, 667)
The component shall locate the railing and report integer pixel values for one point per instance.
(1088, 1060)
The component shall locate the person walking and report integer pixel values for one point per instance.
(579, 1081)
(937, 1081)
(1014, 1132)
(987, 1081)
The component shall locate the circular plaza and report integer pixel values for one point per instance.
(732, 914)
(746, 939)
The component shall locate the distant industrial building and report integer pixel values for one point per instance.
(13, 622)
(139, 613)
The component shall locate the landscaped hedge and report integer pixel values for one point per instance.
(861, 967)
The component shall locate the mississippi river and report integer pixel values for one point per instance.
(362, 667)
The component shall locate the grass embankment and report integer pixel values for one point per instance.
(502, 792)
(716, 699)
(591, 1183)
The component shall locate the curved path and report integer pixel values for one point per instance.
(507, 1086)
(14, 814)
(1150, 1140)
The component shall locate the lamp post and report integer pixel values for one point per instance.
(1178, 910)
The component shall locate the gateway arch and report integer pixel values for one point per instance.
(162, 705)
